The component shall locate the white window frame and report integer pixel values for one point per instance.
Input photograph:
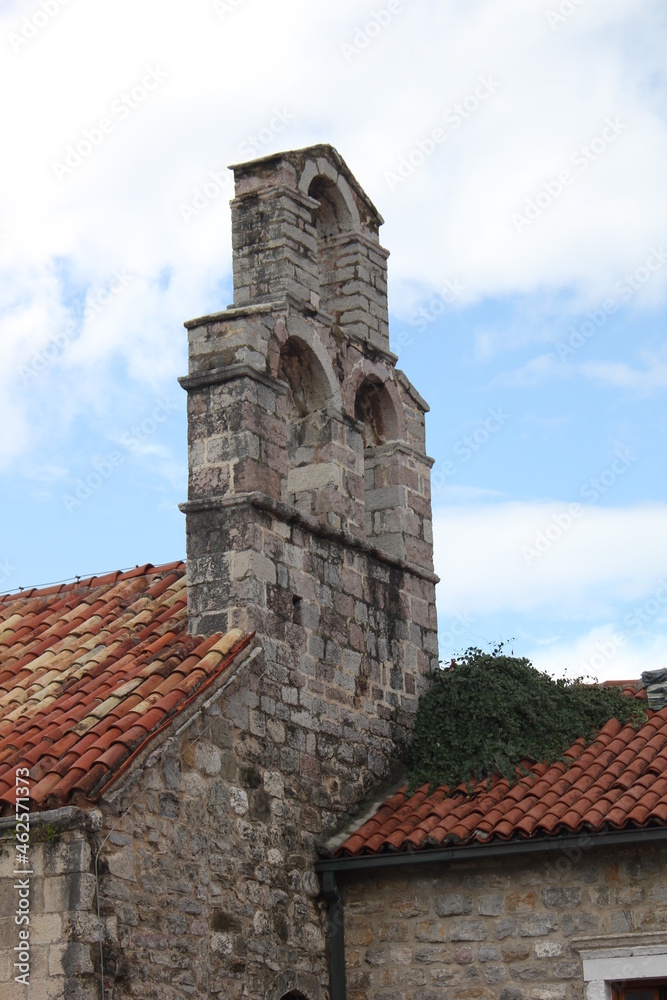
(604, 966)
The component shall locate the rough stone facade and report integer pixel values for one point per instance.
(206, 880)
(204, 873)
(513, 928)
(64, 936)
(209, 874)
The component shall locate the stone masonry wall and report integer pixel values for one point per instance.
(347, 636)
(239, 424)
(510, 930)
(64, 936)
(209, 868)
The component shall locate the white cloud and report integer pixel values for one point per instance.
(602, 653)
(120, 206)
(608, 374)
(623, 376)
(594, 604)
(120, 209)
(534, 372)
(605, 557)
(45, 473)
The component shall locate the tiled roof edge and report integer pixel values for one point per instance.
(628, 834)
(233, 657)
(103, 580)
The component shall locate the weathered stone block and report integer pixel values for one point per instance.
(537, 925)
(491, 906)
(559, 897)
(452, 904)
(430, 930)
(468, 930)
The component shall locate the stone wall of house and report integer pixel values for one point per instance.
(508, 929)
(348, 637)
(64, 935)
(208, 869)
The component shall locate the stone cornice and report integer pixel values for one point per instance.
(227, 373)
(290, 515)
(271, 191)
(281, 306)
(392, 447)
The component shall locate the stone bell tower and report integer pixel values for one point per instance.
(309, 515)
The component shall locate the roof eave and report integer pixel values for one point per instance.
(584, 840)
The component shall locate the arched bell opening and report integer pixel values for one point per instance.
(374, 408)
(311, 402)
(383, 496)
(332, 219)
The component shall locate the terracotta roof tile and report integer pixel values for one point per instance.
(91, 671)
(617, 781)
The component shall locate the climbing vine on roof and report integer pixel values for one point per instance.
(488, 712)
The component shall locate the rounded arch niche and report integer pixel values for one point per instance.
(332, 219)
(333, 216)
(375, 409)
(384, 496)
(313, 396)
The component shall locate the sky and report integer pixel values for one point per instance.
(517, 151)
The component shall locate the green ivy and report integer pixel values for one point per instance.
(487, 712)
(47, 833)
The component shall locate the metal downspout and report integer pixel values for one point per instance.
(333, 896)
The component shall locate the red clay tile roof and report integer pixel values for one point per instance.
(619, 780)
(90, 672)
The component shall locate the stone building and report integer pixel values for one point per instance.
(201, 764)
(185, 755)
(552, 889)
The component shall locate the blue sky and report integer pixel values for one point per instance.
(517, 151)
